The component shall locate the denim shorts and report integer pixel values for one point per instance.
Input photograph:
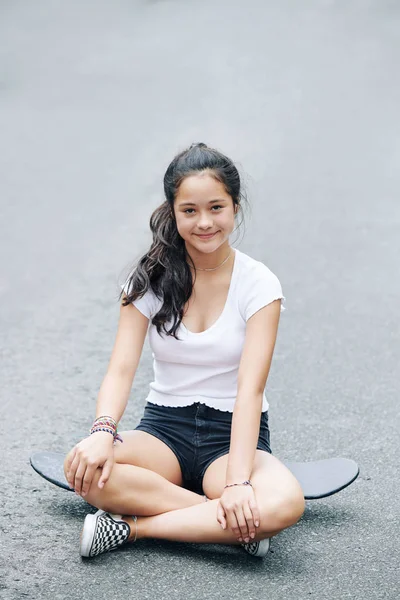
(197, 435)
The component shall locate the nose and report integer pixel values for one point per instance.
(205, 222)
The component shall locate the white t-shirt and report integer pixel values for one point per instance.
(203, 367)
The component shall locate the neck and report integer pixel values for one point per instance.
(219, 258)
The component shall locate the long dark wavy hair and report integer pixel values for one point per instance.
(164, 268)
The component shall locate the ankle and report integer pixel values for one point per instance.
(132, 522)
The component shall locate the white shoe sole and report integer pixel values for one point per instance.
(87, 535)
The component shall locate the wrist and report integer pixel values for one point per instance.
(106, 424)
(245, 482)
(237, 477)
(105, 435)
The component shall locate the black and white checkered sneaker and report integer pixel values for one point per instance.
(258, 549)
(103, 532)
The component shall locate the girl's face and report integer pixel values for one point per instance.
(204, 213)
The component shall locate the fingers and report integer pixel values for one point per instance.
(230, 517)
(70, 458)
(233, 524)
(255, 512)
(83, 461)
(106, 472)
(242, 517)
(68, 464)
(88, 477)
(242, 524)
(79, 475)
(248, 515)
(221, 515)
(72, 470)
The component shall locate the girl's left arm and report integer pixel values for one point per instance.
(261, 332)
(255, 363)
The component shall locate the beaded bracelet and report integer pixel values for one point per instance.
(247, 482)
(100, 428)
(108, 424)
(115, 435)
(106, 421)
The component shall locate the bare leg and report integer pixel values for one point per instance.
(146, 479)
(279, 497)
(194, 524)
(133, 490)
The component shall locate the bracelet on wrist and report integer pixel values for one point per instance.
(108, 424)
(247, 482)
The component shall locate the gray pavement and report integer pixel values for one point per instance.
(95, 99)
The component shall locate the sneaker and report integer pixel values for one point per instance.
(103, 532)
(258, 549)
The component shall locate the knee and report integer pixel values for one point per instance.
(282, 511)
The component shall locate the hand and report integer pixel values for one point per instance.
(86, 457)
(237, 509)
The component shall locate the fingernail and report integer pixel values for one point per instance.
(252, 535)
(240, 540)
(257, 523)
(83, 493)
(247, 540)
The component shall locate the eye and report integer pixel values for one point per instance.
(186, 211)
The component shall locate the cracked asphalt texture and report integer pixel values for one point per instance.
(95, 99)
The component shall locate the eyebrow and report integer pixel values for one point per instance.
(193, 204)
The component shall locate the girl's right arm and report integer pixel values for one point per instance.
(97, 450)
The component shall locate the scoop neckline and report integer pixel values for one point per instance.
(196, 333)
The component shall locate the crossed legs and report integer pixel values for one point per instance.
(146, 481)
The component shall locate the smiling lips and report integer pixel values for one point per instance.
(206, 237)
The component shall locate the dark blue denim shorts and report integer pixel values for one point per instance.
(197, 435)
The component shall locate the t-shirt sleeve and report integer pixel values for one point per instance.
(145, 304)
(148, 304)
(261, 289)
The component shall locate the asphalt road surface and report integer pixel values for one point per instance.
(95, 99)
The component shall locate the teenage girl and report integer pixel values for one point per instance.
(198, 467)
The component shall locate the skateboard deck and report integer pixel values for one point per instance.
(318, 478)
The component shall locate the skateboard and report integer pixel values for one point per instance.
(317, 478)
